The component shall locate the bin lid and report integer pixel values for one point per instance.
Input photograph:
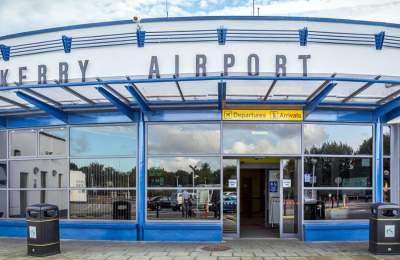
(42, 206)
(382, 205)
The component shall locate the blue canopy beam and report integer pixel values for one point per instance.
(53, 111)
(112, 90)
(321, 87)
(121, 106)
(391, 115)
(382, 110)
(313, 104)
(139, 98)
(361, 89)
(41, 96)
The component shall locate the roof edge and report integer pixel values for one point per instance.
(201, 18)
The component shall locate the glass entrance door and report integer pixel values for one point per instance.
(289, 169)
(230, 201)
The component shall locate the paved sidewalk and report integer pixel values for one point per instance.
(15, 249)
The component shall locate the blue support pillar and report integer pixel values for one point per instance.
(141, 188)
(378, 161)
(221, 95)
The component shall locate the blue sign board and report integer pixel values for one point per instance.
(273, 186)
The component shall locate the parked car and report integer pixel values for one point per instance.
(161, 201)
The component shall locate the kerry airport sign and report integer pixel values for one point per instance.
(82, 69)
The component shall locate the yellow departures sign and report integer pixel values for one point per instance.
(260, 115)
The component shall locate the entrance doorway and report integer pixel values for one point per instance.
(260, 197)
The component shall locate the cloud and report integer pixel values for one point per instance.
(184, 139)
(25, 15)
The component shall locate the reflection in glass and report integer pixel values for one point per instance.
(337, 172)
(38, 174)
(337, 139)
(337, 204)
(183, 172)
(3, 203)
(103, 173)
(3, 144)
(386, 179)
(183, 204)
(52, 141)
(20, 200)
(262, 138)
(183, 139)
(103, 204)
(3, 174)
(289, 193)
(23, 143)
(103, 140)
(230, 196)
(386, 140)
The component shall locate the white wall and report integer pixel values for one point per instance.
(131, 60)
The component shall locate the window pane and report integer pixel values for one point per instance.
(103, 173)
(53, 141)
(20, 200)
(337, 172)
(39, 174)
(103, 140)
(184, 139)
(262, 138)
(182, 171)
(3, 203)
(386, 140)
(386, 179)
(3, 144)
(3, 174)
(183, 204)
(337, 204)
(337, 139)
(103, 204)
(23, 143)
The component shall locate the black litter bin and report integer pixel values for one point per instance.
(43, 235)
(384, 229)
(314, 210)
(122, 210)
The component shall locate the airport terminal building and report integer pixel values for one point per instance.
(201, 128)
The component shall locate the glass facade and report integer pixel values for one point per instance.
(90, 172)
(185, 187)
(272, 139)
(95, 180)
(336, 185)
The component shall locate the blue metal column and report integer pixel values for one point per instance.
(141, 188)
(378, 161)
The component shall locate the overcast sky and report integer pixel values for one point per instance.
(26, 15)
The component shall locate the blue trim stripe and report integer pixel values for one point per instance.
(201, 18)
(65, 28)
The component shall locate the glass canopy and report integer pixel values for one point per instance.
(367, 91)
